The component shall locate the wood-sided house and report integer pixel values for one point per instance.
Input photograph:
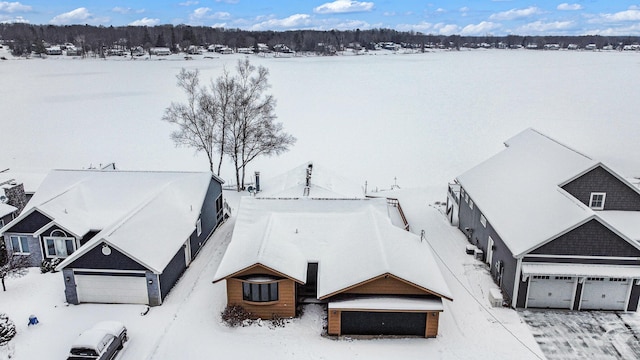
(557, 228)
(122, 236)
(374, 277)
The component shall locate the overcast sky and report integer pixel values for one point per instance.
(466, 17)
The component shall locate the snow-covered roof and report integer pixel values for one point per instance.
(627, 222)
(391, 303)
(6, 209)
(323, 183)
(352, 240)
(615, 271)
(91, 339)
(31, 180)
(518, 190)
(146, 215)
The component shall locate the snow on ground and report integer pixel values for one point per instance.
(440, 112)
(423, 118)
(570, 335)
(188, 324)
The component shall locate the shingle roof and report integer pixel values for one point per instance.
(353, 241)
(146, 215)
(519, 190)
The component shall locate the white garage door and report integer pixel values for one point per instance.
(601, 293)
(551, 292)
(112, 289)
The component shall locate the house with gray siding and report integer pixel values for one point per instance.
(119, 236)
(556, 228)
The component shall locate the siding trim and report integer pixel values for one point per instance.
(382, 276)
(239, 273)
(582, 257)
(516, 283)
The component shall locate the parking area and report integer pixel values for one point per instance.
(585, 334)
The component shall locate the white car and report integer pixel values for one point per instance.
(101, 342)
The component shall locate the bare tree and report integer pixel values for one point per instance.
(197, 119)
(232, 117)
(252, 130)
(15, 266)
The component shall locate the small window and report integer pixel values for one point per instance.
(260, 292)
(19, 244)
(596, 201)
(466, 198)
(470, 204)
(199, 227)
(483, 220)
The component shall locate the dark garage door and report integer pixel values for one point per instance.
(383, 323)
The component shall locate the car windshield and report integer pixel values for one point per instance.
(92, 354)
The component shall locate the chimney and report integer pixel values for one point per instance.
(15, 195)
(257, 181)
(309, 170)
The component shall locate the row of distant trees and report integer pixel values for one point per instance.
(24, 36)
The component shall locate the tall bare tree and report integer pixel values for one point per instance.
(197, 119)
(252, 130)
(233, 117)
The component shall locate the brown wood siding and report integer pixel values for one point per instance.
(386, 286)
(432, 324)
(334, 325)
(257, 270)
(285, 307)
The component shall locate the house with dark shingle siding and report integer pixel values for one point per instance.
(556, 228)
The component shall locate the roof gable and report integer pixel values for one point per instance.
(386, 284)
(351, 240)
(27, 222)
(590, 239)
(149, 226)
(518, 190)
(621, 195)
(310, 180)
(96, 258)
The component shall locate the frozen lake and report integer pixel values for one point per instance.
(423, 118)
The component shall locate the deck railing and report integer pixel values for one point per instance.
(396, 203)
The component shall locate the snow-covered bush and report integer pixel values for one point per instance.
(278, 321)
(49, 265)
(7, 329)
(236, 315)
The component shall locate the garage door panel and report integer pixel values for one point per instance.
(112, 289)
(551, 292)
(605, 294)
(383, 323)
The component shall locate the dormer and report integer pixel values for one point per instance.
(602, 189)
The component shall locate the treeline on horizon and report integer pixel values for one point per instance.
(23, 37)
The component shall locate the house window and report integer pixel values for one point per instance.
(470, 204)
(59, 247)
(260, 291)
(199, 227)
(483, 220)
(19, 244)
(1, 223)
(596, 202)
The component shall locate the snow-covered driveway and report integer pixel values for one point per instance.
(577, 335)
